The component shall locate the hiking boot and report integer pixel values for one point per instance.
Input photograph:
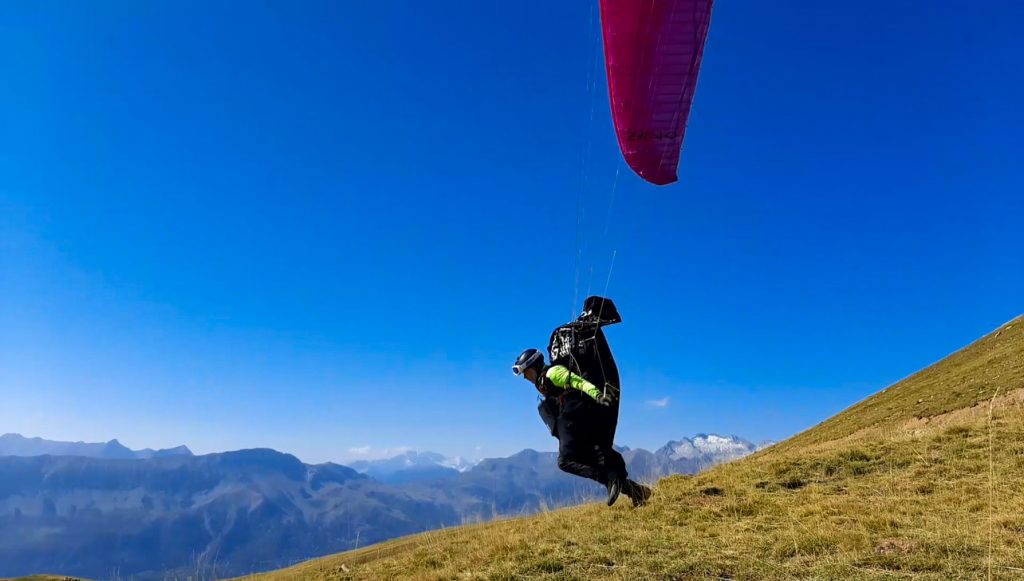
(614, 487)
(638, 493)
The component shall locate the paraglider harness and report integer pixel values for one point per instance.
(581, 347)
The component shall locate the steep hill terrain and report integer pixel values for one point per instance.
(924, 480)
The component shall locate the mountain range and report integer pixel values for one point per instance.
(92, 509)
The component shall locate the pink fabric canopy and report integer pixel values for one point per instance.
(652, 51)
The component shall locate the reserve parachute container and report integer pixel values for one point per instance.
(581, 346)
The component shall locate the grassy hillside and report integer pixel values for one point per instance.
(924, 479)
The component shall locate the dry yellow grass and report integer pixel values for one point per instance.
(923, 480)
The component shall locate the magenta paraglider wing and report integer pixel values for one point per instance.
(652, 51)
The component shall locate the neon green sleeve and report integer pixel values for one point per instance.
(562, 377)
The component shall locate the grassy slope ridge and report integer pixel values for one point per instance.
(924, 479)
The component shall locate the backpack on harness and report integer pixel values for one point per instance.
(581, 345)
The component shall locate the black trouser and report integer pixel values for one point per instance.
(585, 433)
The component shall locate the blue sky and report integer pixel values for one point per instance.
(325, 226)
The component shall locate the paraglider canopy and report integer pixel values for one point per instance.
(653, 50)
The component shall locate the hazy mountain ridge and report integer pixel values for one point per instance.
(18, 445)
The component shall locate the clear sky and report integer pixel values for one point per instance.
(327, 226)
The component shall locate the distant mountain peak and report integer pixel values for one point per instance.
(413, 465)
(459, 463)
(707, 446)
(12, 444)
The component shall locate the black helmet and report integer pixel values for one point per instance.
(526, 360)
